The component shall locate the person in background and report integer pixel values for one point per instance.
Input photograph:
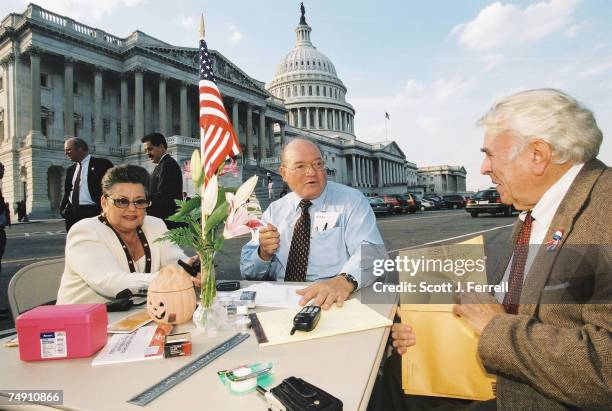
(118, 249)
(5, 218)
(166, 179)
(82, 188)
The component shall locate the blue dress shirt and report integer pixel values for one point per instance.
(334, 250)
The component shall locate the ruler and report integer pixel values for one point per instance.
(259, 331)
(187, 371)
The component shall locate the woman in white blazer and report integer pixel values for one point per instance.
(118, 249)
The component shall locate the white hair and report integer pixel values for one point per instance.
(550, 115)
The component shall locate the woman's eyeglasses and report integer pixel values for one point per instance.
(141, 203)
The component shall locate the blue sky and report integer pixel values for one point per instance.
(435, 66)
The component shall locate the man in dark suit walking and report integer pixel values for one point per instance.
(166, 179)
(83, 185)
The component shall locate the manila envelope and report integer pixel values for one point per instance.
(444, 362)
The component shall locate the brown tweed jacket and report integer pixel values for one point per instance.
(556, 354)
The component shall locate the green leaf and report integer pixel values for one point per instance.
(217, 217)
(185, 208)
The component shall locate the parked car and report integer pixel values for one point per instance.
(434, 199)
(428, 205)
(392, 204)
(408, 203)
(488, 201)
(378, 205)
(453, 201)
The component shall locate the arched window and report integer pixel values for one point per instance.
(303, 91)
(295, 90)
(310, 90)
(317, 90)
(324, 91)
(288, 91)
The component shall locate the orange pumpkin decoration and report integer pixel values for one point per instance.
(171, 297)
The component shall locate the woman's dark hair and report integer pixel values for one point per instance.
(125, 173)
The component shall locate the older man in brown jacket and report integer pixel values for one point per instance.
(549, 338)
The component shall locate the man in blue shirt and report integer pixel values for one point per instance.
(315, 233)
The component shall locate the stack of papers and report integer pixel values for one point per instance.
(146, 343)
(270, 295)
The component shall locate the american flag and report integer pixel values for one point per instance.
(216, 132)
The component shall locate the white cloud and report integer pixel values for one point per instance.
(87, 10)
(235, 34)
(594, 71)
(500, 25)
(571, 31)
(188, 22)
(491, 60)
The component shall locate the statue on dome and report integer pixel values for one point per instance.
(303, 10)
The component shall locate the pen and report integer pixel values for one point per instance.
(325, 228)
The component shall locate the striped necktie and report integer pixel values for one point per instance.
(297, 262)
(517, 269)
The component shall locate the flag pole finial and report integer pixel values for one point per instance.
(202, 30)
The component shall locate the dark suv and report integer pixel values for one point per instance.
(407, 203)
(453, 201)
(488, 201)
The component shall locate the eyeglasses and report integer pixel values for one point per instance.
(317, 165)
(141, 203)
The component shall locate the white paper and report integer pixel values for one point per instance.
(137, 346)
(275, 295)
(324, 220)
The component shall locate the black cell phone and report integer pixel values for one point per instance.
(306, 319)
(193, 270)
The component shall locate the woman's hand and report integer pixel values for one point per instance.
(197, 280)
(403, 337)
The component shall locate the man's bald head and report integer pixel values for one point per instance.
(296, 146)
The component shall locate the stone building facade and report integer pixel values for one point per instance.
(60, 78)
(442, 180)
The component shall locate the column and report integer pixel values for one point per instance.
(299, 118)
(282, 132)
(316, 122)
(163, 114)
(325, 118)
(35, 84)
(124, 111)
(235, 117)
(360, 170)
(308, 118)
(98, 123)
(379, 173)
(262, 134)
(183, 108)
(369, 173)
(354, 182)
(68, 96)
(148, 110)
(271, 138)
(249, 134)
(138, 106)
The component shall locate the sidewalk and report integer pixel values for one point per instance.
(43, 221)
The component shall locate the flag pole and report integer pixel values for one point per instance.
(202, 32)
(386, 127)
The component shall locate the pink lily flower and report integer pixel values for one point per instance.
(239, 222)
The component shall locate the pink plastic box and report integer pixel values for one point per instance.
(53, 332)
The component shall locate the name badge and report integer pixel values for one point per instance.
(324, 220)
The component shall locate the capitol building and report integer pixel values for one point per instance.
(60, 78)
